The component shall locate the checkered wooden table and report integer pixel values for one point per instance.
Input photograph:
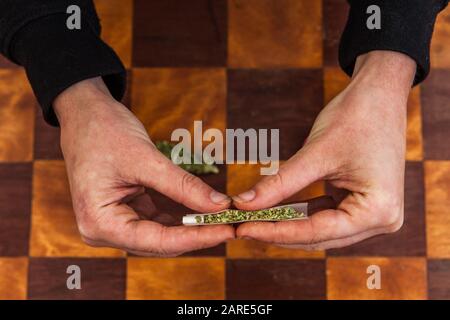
(236, 63)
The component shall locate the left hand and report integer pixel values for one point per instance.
(110, 161)
(358, 144)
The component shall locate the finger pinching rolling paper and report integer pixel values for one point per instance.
(287, 212)
(294, 211)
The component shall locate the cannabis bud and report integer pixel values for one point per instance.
(165, 147)
(236, 216)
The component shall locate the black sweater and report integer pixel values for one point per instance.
(33, 34)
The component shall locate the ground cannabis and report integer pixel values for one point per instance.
(165, 147)
(235, 215)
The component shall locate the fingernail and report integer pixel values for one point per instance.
(246, 238)
(218, 198)
(245, 197)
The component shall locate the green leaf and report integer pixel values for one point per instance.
(165, 147)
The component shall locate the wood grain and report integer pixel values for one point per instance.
(249, 249)
(276, 279)
(46, 139)
(335, 14)
(15, 208)
(335, 81)
(178, 98)
(54, 231)
(414, 139)
(174, 33)
(435, 92)
(437, 186)
(13, 278)
(229, 63)
(101, 279)
(267, 33)
(16, 116)
(439, 279)
(288, 100)
(179, 278)
(440, 46)
(401, 278)
(116, 17)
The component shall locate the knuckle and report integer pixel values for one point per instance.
(389, 212)
(92, 224)
(160, 249)
(161, 246)
(388, 218)
(396, 226)
(274, 183)
(89, 242)
(276, 180)
(189, 182)
(315, 238)
(88, 232)
(89, 227)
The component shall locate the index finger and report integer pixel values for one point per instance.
(157, 172)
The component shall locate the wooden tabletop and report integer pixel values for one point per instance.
(231, 64)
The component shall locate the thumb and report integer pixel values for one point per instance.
(304, 168)
(161, 174)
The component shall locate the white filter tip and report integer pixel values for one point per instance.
(189, 220)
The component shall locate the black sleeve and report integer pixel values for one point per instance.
(406, 26)
(34, 34)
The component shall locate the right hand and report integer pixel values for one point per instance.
(357, 144)
(110, 160)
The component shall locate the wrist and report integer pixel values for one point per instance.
(393, 72)
(79, 99)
